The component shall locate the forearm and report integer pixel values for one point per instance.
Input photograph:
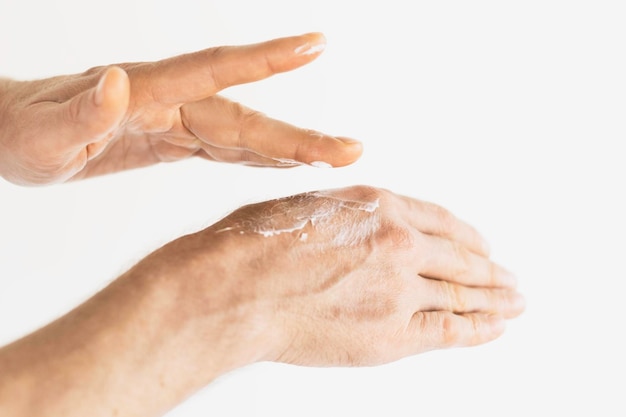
(131, 349)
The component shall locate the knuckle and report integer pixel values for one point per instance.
(395, 235)
(492, 274)
(100, 69)
(450, 331)
(366, 193)
(214, 54)
(454, 299)
(463, 260)
(446, 221)
(247, 121)
(74, 111)
(269, 64)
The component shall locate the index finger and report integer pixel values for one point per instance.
(432, 219)
(194, 76)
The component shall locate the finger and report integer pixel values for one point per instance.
(447, 296)
(182, 144)
(228, 125)
(88, 118)
(444, 329)
(243, 157)
(435, 220)
(191, 77)
(451, 261)
(165, 151)
(173, 147)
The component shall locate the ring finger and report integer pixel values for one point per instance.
(460, 299)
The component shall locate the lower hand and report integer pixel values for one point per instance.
(347, 277)
(350, 277)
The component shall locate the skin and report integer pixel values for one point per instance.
(358, 276)
(132, 115)
(412, 279)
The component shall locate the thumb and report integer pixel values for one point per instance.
(91, 116)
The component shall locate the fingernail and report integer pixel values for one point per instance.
(348, 141)
(311, 48)
(321, 164)
(98, 97)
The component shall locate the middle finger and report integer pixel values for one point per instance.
(228, 125)
(452, 261)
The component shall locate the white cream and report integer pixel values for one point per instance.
(286, 162)
(310, 49)
(349, 221)
(321, 164)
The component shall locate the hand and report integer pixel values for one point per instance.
(136, 114)
(348, 277)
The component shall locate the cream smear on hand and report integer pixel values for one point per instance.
(349, 221)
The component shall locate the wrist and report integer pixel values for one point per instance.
(228, 323)
(182, 317)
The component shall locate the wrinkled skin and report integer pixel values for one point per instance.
(355, 276)
(349, 277)
(131, 115)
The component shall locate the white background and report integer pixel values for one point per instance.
(509, 113)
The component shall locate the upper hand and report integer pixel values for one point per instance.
(137, 114)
